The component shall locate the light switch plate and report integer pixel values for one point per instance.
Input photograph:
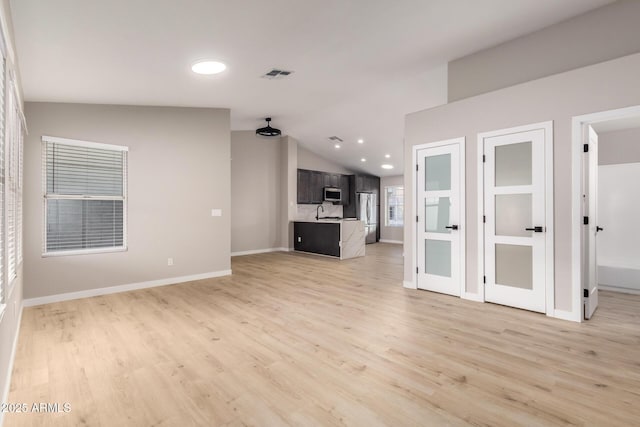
(216, 212)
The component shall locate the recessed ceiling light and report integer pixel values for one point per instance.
(363, 159)
(337, 145)
(387, 166)
(361, 141)
(208, 67)
(387, 155)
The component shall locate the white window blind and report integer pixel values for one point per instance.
(395, 206)
(84, 195)
(12, 148)
(2, 177)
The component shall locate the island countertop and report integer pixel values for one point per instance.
(340, 238)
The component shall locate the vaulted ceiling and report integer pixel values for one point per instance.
(358, 65)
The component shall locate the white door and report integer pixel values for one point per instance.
(591, 228)
(514, 206)
(439, 229)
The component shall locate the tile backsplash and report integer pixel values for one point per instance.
(308, 212)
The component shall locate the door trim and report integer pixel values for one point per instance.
(461, 141)
(578, 124)
(547, 127)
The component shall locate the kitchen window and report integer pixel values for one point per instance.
(394, 196)
(85, 197)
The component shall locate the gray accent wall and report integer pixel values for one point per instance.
(600, 35)
(389, 233)
(256, 163)
(617, 147)
(179, 170)
(263, 191)
(604, 86)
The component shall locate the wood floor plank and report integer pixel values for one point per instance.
(296, 339)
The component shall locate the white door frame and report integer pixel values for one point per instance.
(549, 234)
(578, 124)
(462, 224)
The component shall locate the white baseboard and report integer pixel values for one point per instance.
(471, 296)
(619, 289)
(259, 251)
(409, 284)
(395, 242)
(619, 279)
(567, 315)
(12, 358)
(121, 288)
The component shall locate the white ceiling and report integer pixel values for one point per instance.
(615, 125)
(359, 66)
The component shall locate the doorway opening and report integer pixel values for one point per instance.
(606, 206)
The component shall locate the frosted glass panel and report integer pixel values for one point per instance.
(513, 164)
(436, 213)
(513, 214)
(438, 172)
(514, 266)
(438, 257)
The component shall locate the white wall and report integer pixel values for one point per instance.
(311, 161)
(616, 147)
(393, 234)
(618, 214)
(599, 87)
(596, 36)
(179, 170)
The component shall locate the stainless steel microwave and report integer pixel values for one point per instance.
(332, 194)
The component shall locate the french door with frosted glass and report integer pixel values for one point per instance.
(438, 220)
(514, 233)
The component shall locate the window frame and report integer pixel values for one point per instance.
(387, 220)
(125, 175)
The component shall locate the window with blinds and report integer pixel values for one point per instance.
(2, 178)
(85, 186)
(395, 206)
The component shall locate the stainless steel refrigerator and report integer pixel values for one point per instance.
(368, 213)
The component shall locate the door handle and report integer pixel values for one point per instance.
(537, 229)
(598, 228)
(452, 227)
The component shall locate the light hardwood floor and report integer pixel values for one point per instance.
(293, 339)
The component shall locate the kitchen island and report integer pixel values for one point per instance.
(342, 238)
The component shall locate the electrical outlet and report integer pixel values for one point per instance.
(170, 261)
(216, 212)
(299, 239)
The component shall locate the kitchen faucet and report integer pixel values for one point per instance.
(318, 213)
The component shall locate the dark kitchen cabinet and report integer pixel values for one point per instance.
(345, 187)
(332, 180)
(317, 186)
(319, 238)
(304, 186)
(311, 186)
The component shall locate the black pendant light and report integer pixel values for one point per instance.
(268, 130)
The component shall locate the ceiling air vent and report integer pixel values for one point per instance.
(276, 74)
(336, 139)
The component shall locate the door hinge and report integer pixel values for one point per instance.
(484, 158)
(585, 148)
(416, 168)
(586, 293)
(585, 220)
(417, 218)
(484, 279)
(484, 218)
(416, 270)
